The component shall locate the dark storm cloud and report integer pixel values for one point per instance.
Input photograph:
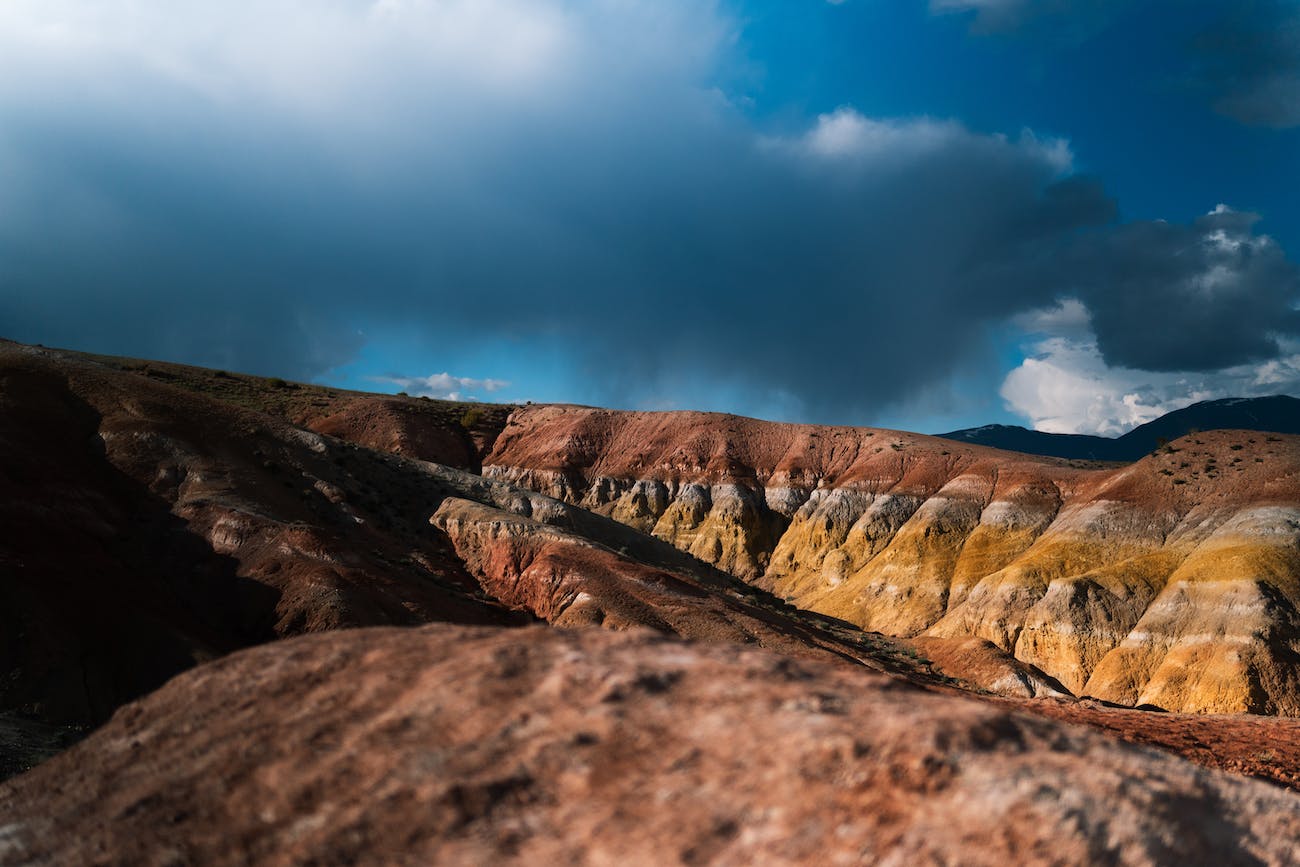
(562, 175)
(1249, 63)
(1198, 297)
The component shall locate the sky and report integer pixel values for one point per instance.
(1074, 215)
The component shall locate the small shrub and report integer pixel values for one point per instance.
(472, 416)
(277, 382)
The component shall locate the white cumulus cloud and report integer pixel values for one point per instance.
(445, 386)
(1066, 386)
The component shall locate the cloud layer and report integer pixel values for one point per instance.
(241, 185)
(1066, 385)
(1249, 63)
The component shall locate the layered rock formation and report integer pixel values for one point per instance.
(454, 745)
(151, 527)
(573, 569)
(1170, 582)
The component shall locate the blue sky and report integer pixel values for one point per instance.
(1072, 215)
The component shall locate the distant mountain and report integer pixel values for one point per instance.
(1014, 438)
(1278, 414)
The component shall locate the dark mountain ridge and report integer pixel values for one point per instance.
(1276, 414)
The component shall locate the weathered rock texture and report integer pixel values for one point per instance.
(1171, 582)
(454, 745)
(573, 569)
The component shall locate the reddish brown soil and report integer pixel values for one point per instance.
(1222, 467)
(1256, 746)
(454, 433)
(471, 746)
(565, 579)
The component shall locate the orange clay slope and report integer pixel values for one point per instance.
(1171, 582)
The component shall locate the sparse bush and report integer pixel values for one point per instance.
(472, 416)
(277, 382)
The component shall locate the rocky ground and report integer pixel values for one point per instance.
(452, 745)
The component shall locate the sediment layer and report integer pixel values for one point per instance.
(1172, 582)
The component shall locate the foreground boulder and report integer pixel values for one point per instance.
(472, 745)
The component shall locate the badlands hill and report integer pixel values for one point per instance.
(162, 518)
(1171, 582)
(153, 524)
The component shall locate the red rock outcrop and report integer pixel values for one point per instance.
(455, 745)
(1171, 582)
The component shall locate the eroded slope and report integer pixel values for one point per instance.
(148, 528)
(1171, 582)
